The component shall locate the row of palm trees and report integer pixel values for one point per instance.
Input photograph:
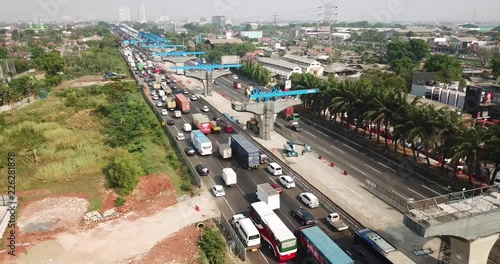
(389, 110)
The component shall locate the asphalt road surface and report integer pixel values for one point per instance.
(346, 155)
(238, 198)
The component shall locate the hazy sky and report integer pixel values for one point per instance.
(348, 10)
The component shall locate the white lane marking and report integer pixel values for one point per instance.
(417, 193)
(360, 171)
(196, 157)
(217, 143)
(222, 197)
(373, 168)
(339, 150)
(288, 218)
(386, 166)
(182, 117)
(177, 129)
(309, 133)
(325, 150)
(400, 195)
(431, 190)
(264, 257)
(322, 133)
(349, 147)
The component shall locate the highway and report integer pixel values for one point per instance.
(238, 198)
(348, 155)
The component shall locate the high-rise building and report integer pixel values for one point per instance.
(124, 13)
(219, 21)
(142, 14)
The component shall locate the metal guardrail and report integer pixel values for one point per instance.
(326, 203)
(235, 244)
(387, 196)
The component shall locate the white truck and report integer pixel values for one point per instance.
(161, 93)
(334, 220)
(177, 113)
(229, 176)
(225, 151)
(266, 193)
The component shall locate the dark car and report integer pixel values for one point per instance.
(202, 169)
(305, 218)
(189, 151)
(170, 122)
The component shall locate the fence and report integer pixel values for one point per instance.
(387, 196)
(326, 203)
(235, 243)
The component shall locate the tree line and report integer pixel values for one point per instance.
(379, 105)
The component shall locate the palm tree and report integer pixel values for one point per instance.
(492, 147)
(384, 107)
(470, 143)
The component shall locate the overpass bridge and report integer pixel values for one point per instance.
(470, 219)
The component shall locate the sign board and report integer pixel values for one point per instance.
(288, 85)
(230, 60)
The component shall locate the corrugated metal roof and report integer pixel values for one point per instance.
(299, 59)
(280, 63)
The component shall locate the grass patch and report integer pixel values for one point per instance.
(63, 142)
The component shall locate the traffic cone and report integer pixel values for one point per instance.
(332, 164)
(320, 157)
(345, 172)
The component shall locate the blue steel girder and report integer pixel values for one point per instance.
(152, 37)
(275, 94)
(206, 67)
(160, 46)
(176, 54)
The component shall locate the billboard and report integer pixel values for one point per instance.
(230, 60)
(288, 85)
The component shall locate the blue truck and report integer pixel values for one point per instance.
(321, 247)
(244, 152)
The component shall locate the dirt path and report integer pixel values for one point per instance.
(121, 240)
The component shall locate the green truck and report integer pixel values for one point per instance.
(140, 66)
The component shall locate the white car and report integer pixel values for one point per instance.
(309, 199)
(159, 104)
(180, 136)
(287, 181)
(218, 191)
(164, 112)
(193, 97)
(205, 108)
(235, 77)
(155, 97)
(236, 218)
(187, 127)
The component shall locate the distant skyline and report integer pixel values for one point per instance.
(258, 10)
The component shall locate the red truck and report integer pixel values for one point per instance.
(183, 103)
(236, 85)
(291, 115)
(202, 122)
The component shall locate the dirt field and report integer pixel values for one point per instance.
(83, 82)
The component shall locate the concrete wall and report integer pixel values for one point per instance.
(18, 105)
(5, 203)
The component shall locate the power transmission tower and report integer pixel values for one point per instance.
(329, 13)
(275, 22)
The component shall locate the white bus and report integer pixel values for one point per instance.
(274, 231)
(201, 142)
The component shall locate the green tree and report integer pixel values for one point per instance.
(214, 246)
(4, 53)
(420, 49)
(36, 52)
(52, 63)
(495, 67)
(448, 68)
(122, 172)
(484, 55)
(22, 65)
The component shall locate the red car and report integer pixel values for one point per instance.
(229, 129)
(277, 187)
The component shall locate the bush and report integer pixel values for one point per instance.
(119, 201)
(214, 247)
(122, 173)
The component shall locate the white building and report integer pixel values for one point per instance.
(341, 36)
(279, 67)
(142, 14)
(308, 65)
(124, 14)
(251, 34)
(448, 95)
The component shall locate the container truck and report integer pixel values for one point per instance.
(321, 246)
(244, 152)
(229, 176)
(215, 127)
(201, 122)
(183, 103)
(291, 115)
(201, 142)
(225, 151)
(156, 86)
(266, 193)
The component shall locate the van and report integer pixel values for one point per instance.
(177, 113)
(187, 127)
(274, 169)
(249, 233)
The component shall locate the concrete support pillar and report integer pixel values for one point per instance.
(210, 83)
(471, 251)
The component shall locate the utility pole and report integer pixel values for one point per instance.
(329, 13)
(275, 22)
